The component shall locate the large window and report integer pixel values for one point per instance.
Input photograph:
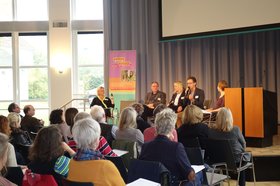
(88, 9)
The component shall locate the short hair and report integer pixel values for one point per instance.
(224, 120)
(165, 121)
(4, 125)
(222, 84)
(4, 140)
(192, 78)
(12, 107)
(13, 118)
(127, 118)
(159, 108)
(70, 113)
(192, 114)
(179, 84)
(26, 109)
(56, 116)
(86, 133)
(155, 83)
(47, 144)
(81, 115)
(138, 107)
(97, 113)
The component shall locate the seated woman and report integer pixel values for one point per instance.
(3, 159)
(150, 133)
(192, 126)
(70, 113)
(178, 98)
(224, 129)
(88, 165)
(46, 154)
(103, 101)
(221, 100)
(57, 118)
(5, 129)
(171, 154)
(127, 127)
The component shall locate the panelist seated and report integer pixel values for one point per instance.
(194, 95)
(178, 98)
(105, 102)
(221, 99)
(153, 99)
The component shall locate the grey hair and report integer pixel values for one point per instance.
(165, 121)
(86, 133)
(138, 108)
(97, 113)
(3, 144)
(224, 120)
(14, 119)
(128, 118)
(81, 115)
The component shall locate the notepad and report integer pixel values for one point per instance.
(142, 181)
(198, 168)
(119, 152)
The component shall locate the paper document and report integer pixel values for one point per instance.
(143, 182)
(198, 168)
(205, 111)
(119, 152)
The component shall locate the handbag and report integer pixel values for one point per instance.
(33, 179)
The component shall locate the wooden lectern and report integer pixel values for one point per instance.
(254, 111)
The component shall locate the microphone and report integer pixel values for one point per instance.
(112, 95)
(188, 91)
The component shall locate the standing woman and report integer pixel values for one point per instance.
(3, 158)
(178, 97)
(103, 101)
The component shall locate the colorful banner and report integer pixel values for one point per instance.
(122, 75)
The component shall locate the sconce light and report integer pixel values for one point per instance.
(60, 63)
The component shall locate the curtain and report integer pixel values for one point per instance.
(243, 60)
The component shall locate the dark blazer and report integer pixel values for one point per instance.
(156, 99)
(171, 154)
(199, 97)
(30, 124)
(107, 101)
(181, 101)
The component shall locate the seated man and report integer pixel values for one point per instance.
(153, 99)
(194, 95)
(30, 123)
(13, 107)
(171, 154)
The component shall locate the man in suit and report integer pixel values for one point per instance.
(153, 99)
(194, 95)
(171, 154)
(30, 123)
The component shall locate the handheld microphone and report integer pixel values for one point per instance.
(112, 94)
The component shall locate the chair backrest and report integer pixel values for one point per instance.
(120, 166)
(125, 103)
(218, 151)
(129, 146)
(66, 182)
(191, 142)
(195, 155)
(106, 132)
(150, 170)
(15, 175)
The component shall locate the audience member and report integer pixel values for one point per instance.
(171, 154)
(224, 129)
(153, 99)
(30, 123)
(70, 113)
(88, 165)
(192, 126)
(178, 98)
(107, 130)
(103, 101)
(141, 123)
(221, 100)
(4, 146)
(127, 127)
(150, 133)
(194, 95)
(103, 146)
(13, 107)
(46, 154)
(57, 118)
(5, 129)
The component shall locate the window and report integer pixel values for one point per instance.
(88, 9)
(89, 66)
(6, 10)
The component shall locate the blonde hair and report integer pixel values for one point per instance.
(14, 119)
(179, 84)
(128, 118)
(224, 120)
(192, 115)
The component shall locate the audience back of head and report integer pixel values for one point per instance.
(70, 113)
(56, 116)
(192, 114)
(165, 121)
(128, 118)
(224, 120)
(98, 113)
